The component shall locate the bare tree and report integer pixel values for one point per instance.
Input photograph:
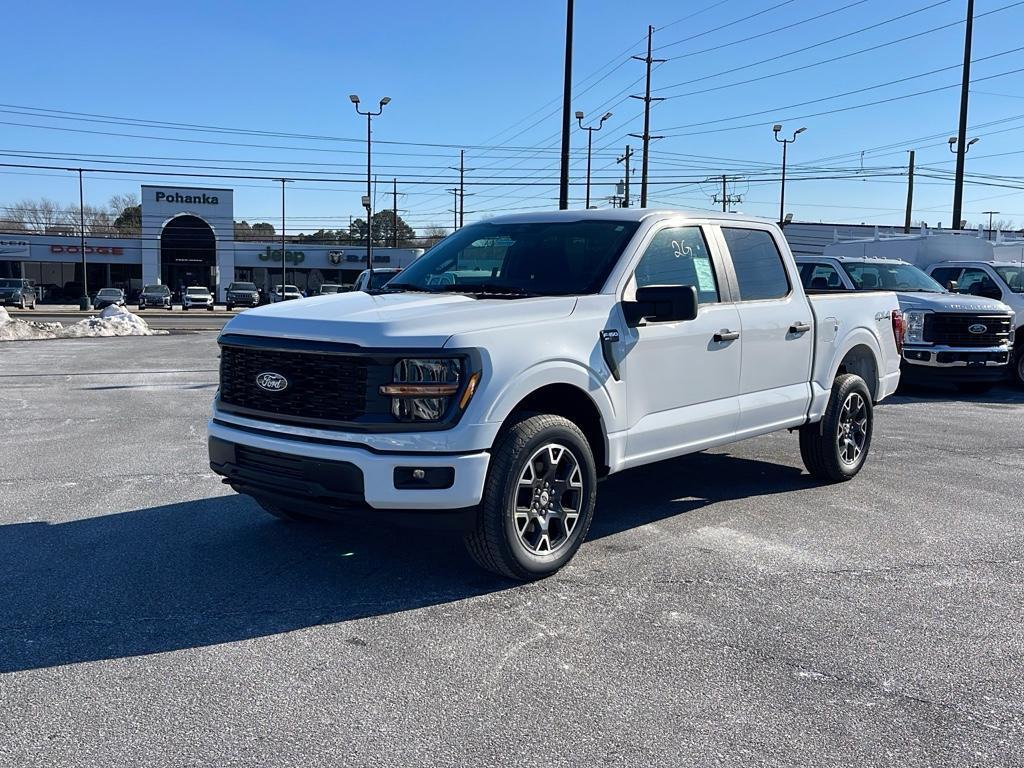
(431, 236)
(42, 215)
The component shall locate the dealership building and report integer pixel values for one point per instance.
(187, 239)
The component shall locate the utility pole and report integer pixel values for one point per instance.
(462, 187)
(965, 87)
(563, 182)
(647, 99)
(990, 214)
(785, 145)
(284, 266)
(726, 199)
(910, 194)
(394, 208)
(455, 209)
(625, 159)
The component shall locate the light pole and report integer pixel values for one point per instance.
(84, 302)
(785, 146)
(368, 200)
(961, 155)
(590, 142)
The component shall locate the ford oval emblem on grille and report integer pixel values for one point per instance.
(977, 328)
(272, 382)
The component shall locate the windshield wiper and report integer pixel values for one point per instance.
(490, 289)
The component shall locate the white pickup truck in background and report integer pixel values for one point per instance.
(948, 337)
(559, 348)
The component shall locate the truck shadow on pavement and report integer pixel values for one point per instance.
(218, 570)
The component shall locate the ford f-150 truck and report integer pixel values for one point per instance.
(963, 340)
(569, 345)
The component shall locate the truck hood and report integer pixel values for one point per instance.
(394, 319)
(951, 302)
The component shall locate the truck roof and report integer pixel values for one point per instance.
(961, 262)
(622, 214)
(858, 259)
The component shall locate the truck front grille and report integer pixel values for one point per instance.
(954, 330)
(323, 388)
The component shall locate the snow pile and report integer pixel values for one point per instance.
(112, 321)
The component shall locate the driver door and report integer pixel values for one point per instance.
(682, 378)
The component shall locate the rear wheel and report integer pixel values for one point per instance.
(1018, 369)
(538, 501)
(834, 449)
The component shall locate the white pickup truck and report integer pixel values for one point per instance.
(571, 345)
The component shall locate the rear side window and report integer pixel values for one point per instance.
(758, 264)
(820, 277)
(679, 256)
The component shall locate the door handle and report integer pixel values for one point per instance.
(726, 335)
(799, 327)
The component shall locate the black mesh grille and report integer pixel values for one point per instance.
(321, 387)
(953, 329)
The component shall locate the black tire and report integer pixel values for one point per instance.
(1018, 368)
(229, 307)
(184, 308)
(209, 309)
(284, 513)
(21, 305)
(496, 541)
(819, 442)
(974, 387)
(141, 307)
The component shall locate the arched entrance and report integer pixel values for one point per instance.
(188, 253)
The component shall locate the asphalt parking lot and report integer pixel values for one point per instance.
(726, 610)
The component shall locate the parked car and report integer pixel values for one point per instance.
(197, 297)
(1001, 280)
(967, 341)
(242, 295)
(290, 292)
(17, 292)
(156, 296)
(602, 340)
(108, 297)
(372, 280)
(329, 288)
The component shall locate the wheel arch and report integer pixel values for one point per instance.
(573, 403)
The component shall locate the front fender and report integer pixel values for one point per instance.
(545, 373)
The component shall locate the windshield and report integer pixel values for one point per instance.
(109, 292)
(330, 288)
(198, 292)
(242, 287)
(380, 279)
(287, 289)
(875, 276)
(533, 258)
(4, 283)
(156, 289)
(1014, 277)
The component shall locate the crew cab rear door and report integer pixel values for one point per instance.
(681, 377)
(776, 327)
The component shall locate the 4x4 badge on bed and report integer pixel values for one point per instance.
(272, 382)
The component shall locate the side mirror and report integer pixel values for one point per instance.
(952, 286)
(662, 304)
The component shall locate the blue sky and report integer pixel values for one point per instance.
(488, 76)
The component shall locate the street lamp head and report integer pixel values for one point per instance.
(385, 101)
(353, 98)
(605, 116)
(799, 131)
(952, 139)
(972, 142)
(777, 127)
(579, 115)
(366, 202)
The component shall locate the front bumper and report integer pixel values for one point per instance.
(144, 302)
(341, 478)
(956, 363)
(243, 300)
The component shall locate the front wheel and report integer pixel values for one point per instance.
(1018, 369)
(538, 501)
(834, 449)
(229, 307)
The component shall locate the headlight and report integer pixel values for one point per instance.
(422, 388)
(913, 323)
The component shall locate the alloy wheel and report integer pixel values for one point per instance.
(853, 429)
(548, 499)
